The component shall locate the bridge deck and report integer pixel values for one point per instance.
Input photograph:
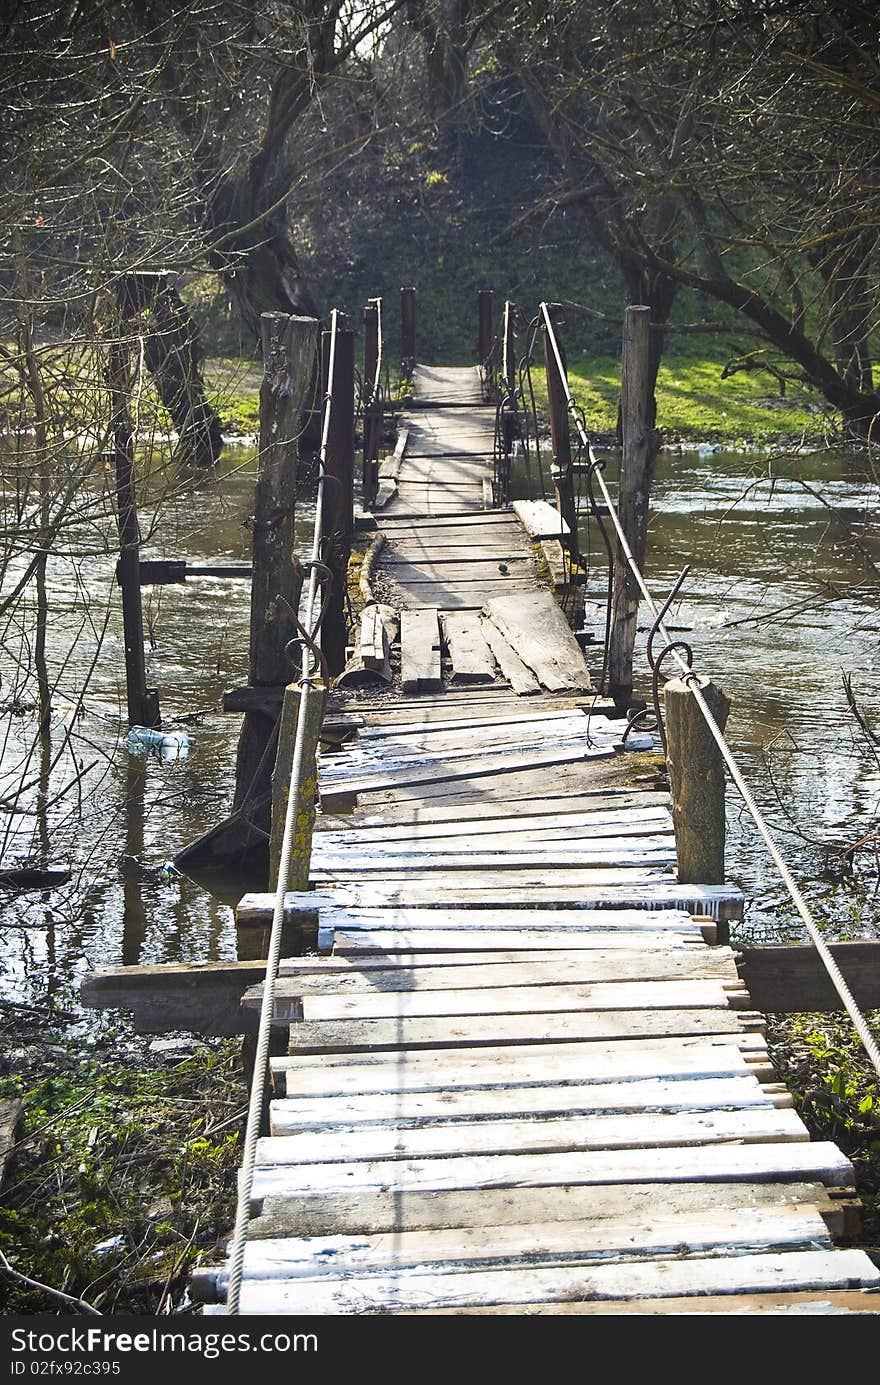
(523, 1075)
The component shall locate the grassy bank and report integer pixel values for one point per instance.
(695, 403)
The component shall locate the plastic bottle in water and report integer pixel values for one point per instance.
(168, 745)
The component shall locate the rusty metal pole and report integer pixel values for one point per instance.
(142, 702)
(338, 512)
(560, 434)
(371, 419)
(407, 331)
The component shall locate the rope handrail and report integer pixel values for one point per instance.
(308, 686)
(690, 678)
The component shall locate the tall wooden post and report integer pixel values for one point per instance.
(407, 330)
(484, 324)
(636, 467)
(508, 352)
(560, 434)
(307, 704)
(338, 511)
(289, 348)
(696, 780)
(142, 702)
(372, 415)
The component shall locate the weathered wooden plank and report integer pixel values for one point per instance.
(420, 650)
(827, 1303)
(689, 1232)
(793, 978)
(488, 1209)
(408, 944)
(339, 976)
(540, 520)
(521, 678)
(635, 1279)
(536, 628)
(375, 1035)
(374, 639)
(472, 660)
(684, 1094)
(359, 861)
(463, 1139)
(626, 890)
(697, 1163)
(554, 1064)
(336, 793)
(484, 833)
(551, 808)
(516, 1000)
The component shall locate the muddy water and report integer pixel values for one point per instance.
(780, 603)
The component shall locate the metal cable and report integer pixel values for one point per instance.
(690, 678)
(308, 688)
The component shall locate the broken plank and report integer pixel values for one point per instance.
(520, 678)
(535, 627)
(420, 650)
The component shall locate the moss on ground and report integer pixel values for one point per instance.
(126, 1171)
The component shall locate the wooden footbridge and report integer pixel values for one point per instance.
(523, 1073)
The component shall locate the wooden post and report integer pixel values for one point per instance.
(142, 702)
(484, 324)
(338, 512)
(636, 467)
(301, 854)
(407, 330)
(508, 356)
(560, 434)
(372, 414)
(289, 348)
(696, 780)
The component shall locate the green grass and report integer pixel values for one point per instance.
(695, 404)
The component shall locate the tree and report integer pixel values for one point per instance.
(730, 149)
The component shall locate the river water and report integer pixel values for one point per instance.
(781, 602)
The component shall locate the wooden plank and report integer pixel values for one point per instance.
(697, 1163)
(374, 639)
(521, 678)
(362, 943)
(420, 650)
(518, 1000)
(827, 1303)
(375, 1035)
(552, 1064)
(461, 1139)
(791, 978)
(561, 827)
(536, 628)
(488, 1209)
(627, 889)
(331, 977)
(599, 800)
(503, 763)
(634, 1279)
(684, 1094)
(396, 860)
(461, 573)
(689, 1232)
(541, 520)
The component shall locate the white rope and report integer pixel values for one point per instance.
(840, 985)
(308, 688)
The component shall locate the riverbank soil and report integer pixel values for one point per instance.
(124, 1171)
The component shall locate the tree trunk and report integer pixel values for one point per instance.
(173, 357)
